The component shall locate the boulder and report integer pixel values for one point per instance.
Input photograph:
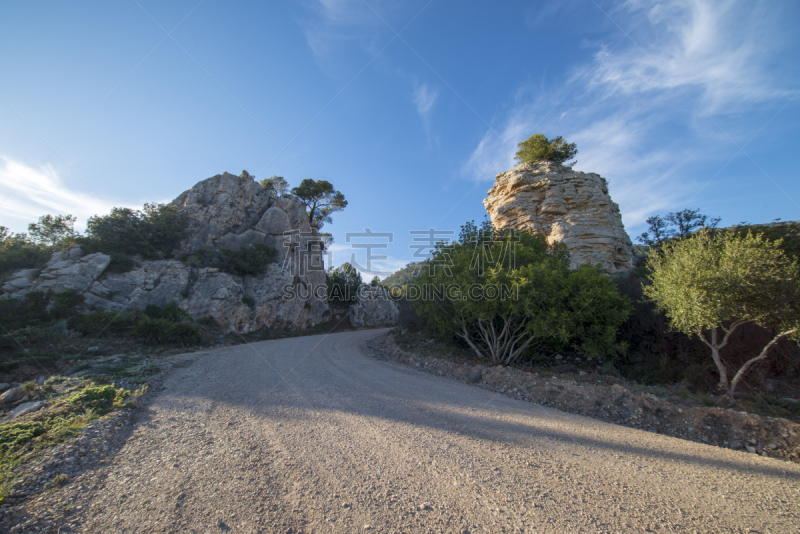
(24, 408)
(67, 269)
(566, 206)
(374, 307)
(13, 395)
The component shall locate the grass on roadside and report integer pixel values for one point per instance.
(70, 410)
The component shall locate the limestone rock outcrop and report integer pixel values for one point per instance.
(374, 307)
(225, 211)
(566, 206)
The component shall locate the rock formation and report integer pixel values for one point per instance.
(225, 211)
(373, 308)
(566, 206)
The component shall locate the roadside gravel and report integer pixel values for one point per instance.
(311, 435)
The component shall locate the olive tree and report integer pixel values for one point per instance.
(713, 283)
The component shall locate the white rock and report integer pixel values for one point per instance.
(566, 206)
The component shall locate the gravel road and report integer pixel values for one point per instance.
(310, 434)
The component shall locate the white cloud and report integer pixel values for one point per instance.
(424, 99)
(334, 24)
(639, 114)
(713, 50)
(42, 191)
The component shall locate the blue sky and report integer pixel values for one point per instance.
(409, 108)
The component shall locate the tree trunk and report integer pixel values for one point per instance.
(715, 347)
(729, 395)
(504, 344)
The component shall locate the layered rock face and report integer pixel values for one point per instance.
(566, 206)
(225, 211)
(373, 308)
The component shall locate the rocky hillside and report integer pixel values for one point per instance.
(565, 205)
(225, 211)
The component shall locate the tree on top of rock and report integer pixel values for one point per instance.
(320, 199)
(539, 148)
(277, 184)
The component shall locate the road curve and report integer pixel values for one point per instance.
(311, 435)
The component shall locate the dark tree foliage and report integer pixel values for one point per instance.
(343, 283)
(321, 200)
(155, 232)
(37, 308)
(679, 224)
(507, 294)
(539, 148)
(19, 252)
(52, 230)
(249, 259)
(153, 325)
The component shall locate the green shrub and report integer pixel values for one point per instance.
(153, 325)
(16, 434)
(18, 252)
(249, 301)
(65, 304)
(100, 399)
(249, 259)
(170, 312)
(102, 322)
(155, 331)
(343, 283)
(154, 232)
(31, 311)
(507, 306)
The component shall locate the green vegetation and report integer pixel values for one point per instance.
(509, 295)
(153, 325)
(36, 318)
(52, 230)
(404, 275)
(343, 283)
(712, 284)
(249, 259)
(785, 234)
(73, 409)
(320, 199)
(17, 251)
(679, 224)
(155, 232)
(277, 185)
(539, 148)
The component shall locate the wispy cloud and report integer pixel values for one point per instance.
(645, 110)
(42, 192)
(334, 25)
(714, 50)
(424, 98)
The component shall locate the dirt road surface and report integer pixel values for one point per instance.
(311, 435)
